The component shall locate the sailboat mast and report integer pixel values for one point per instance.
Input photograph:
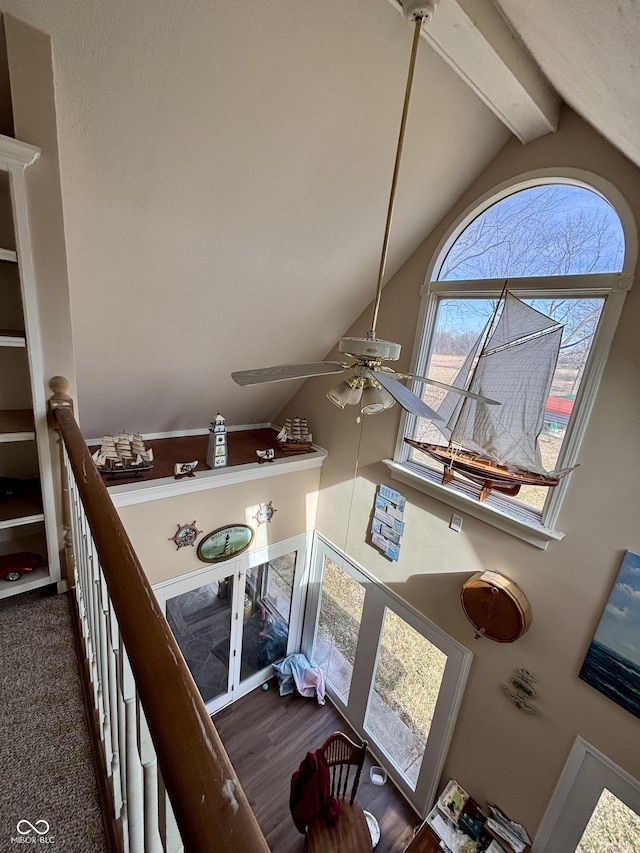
(488, 330)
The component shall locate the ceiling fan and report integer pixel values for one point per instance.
(370, 383)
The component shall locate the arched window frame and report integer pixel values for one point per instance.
(538, 529)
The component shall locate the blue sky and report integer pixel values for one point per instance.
(619, 628)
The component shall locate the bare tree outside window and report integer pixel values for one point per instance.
(548, 230)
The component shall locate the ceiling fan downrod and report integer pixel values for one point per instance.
(416, 11)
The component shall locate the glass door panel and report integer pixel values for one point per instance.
(613, 826)
(595, 807)
(408, 676)
(342, 600)
(267, 607)
(201, 623)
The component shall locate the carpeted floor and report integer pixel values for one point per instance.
(46, 768)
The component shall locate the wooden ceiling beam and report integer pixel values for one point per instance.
(474, 39)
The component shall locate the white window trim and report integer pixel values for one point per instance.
(495, 510)
(586, 774)
(504, 514)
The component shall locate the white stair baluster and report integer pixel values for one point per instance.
(149, 761)
(134, 797)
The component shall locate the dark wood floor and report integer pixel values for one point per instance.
(267, 736)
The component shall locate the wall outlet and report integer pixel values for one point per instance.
(456, 523)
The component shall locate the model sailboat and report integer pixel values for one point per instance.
(123, 453)
(497, 446)
(294, 437)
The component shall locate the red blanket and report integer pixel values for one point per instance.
(311, 792)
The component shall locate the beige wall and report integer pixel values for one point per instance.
(498, 753)
(151, 525)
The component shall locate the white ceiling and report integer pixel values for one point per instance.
(225, 178)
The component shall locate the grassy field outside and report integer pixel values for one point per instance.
(613, 828)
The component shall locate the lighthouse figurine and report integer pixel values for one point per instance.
(217, 450)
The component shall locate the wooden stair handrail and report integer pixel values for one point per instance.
(211, 813)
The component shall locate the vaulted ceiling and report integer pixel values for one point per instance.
(225, 175)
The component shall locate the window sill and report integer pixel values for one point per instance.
(527, 529)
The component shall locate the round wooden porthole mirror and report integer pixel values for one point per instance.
(496, 607)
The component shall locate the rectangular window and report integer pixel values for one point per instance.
(267, 604)
(459, 322)
(454, 316)
(201, 623)
(612, 826)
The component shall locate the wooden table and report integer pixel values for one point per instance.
(424, 841)
(349, 835)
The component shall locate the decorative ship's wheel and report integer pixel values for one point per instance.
(186, 534)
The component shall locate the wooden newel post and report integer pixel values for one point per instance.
(60, 399)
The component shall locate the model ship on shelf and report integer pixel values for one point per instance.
(497, 446)
(123, 454)
(294, 437)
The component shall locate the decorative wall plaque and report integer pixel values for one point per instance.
(265, 513)
(225, 542)
(387, 525)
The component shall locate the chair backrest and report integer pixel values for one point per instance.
(345, 759)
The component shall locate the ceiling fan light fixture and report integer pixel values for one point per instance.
(347, 393)
(375, 398)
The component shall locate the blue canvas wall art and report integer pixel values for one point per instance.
(612, 664)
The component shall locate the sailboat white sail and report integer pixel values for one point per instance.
(498, 445)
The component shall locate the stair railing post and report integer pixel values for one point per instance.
(60, 399)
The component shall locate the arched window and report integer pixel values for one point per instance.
(554, 229)
(520, 307)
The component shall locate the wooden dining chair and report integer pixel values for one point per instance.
(351, 831)
(345, 759)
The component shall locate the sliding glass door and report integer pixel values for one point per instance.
(397, 678)
(201, 621)
(232, 621)
(266, 611)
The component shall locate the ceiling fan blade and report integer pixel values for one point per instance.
(280, 372)
(464, 393)
(407, 399)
